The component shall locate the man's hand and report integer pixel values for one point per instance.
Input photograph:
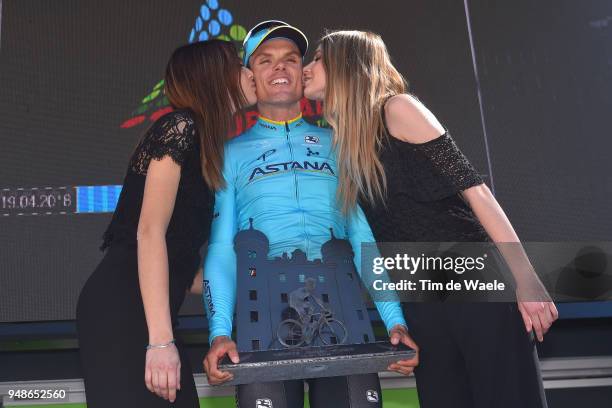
(399, 333)
(221, 346)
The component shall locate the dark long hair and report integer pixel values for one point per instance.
(204, 77)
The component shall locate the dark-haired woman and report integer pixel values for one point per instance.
(415, 185)
(128, 307)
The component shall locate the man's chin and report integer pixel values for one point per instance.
(283, 98)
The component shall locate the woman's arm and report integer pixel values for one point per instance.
(157, 205)
(534, 302)
(162, 370)
(409, 120)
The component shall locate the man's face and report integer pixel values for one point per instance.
(277, 68)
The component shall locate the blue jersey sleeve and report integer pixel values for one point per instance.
(219, 293)
(359, 232)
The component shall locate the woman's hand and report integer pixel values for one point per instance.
(399, 333)
(221, 346)
(538, 316)
(163, 372)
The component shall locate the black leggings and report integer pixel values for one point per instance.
(355, 391)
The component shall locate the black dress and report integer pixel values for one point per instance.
(471, 354)
(111, 322)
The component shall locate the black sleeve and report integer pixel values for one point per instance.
(171, 135)
(439, 169)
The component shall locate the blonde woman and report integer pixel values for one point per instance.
(400, 164)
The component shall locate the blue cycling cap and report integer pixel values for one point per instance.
(267, 30)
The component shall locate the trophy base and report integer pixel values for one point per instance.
(314, 362)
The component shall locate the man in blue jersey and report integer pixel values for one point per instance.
(281, 173)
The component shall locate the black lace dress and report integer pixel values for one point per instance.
(110, 315)
(471, 354)
(423, 202)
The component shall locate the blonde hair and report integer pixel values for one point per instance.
(360, 78)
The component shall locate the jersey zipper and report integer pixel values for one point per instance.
(297, 192)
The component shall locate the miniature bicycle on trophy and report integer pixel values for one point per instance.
(312, 324)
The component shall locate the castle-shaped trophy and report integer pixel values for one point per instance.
(298, 319)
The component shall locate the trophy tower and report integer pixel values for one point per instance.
(290, 301)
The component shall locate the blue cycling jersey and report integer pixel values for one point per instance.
(283, 176)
